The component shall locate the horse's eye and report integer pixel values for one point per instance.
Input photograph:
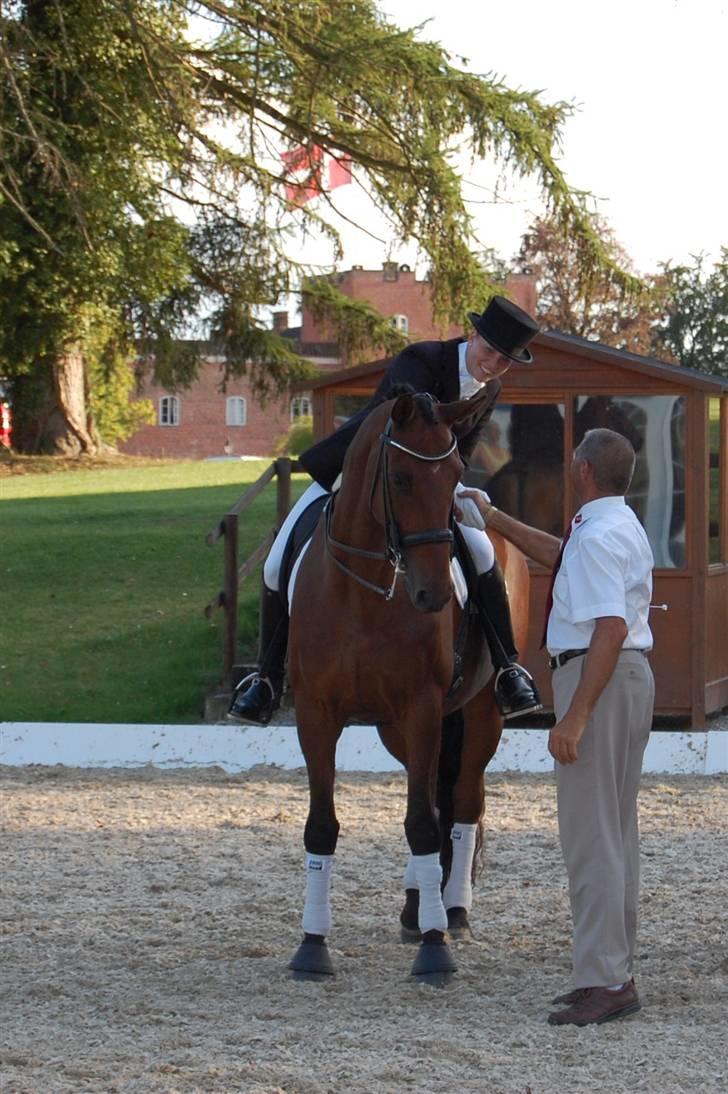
(401, 481)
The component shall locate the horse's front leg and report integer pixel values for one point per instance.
(318, 733)
(482, 727)
(434, 962)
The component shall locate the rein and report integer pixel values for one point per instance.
(395, 544)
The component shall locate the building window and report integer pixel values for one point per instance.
(235, 410)
(169, 410)
(401, 322)
(301, 407)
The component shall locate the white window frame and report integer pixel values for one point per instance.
(401, 322)
(301, 407)
(169, 410)
(236, 410)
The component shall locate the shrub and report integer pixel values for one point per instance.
(298, 438)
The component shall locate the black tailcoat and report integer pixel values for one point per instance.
(432, 367)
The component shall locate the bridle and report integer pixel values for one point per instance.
(395, 544)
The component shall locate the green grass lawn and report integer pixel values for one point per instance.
(105, 575)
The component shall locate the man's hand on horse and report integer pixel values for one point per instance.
(470, 506)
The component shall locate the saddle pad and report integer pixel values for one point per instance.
(298, 541)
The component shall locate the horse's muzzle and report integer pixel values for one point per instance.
(427, 599)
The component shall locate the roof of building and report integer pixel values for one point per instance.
(568, 343)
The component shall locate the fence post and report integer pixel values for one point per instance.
(283, 476)
(230, 594)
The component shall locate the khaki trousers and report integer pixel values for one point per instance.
(598, 824)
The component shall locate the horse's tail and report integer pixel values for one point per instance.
(451, 752)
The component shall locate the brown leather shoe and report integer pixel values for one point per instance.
(597, 1005)
(568, 997)
(573, 996)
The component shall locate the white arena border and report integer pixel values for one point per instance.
(238, 748)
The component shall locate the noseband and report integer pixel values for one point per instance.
(395, 544)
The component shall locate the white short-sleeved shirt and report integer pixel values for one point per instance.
(606, 570)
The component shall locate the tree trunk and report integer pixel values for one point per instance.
(50, 409)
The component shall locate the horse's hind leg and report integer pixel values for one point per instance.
(318, 743)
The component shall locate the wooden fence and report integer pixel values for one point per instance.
(235, 573)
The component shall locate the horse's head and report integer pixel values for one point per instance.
(399, 476)
(413, 469)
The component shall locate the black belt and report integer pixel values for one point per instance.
(561, 658)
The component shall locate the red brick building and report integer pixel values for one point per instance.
(205, 421)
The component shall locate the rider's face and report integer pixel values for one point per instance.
(483, 362)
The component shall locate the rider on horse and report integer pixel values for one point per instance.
(450, 370)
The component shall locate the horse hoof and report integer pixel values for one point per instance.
(434, 964)
(460, 934)
(436, 979)
(413, 936)
(311, 961)
(458, 926)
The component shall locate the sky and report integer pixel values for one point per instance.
(648, 139)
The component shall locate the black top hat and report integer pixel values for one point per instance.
(507, 328)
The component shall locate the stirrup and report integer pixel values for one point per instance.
(250, 706)
(530, 705)
(253, 678)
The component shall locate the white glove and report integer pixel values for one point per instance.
(471, 517)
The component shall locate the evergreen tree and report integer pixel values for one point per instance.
(141, 185)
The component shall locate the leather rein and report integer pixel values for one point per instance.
(395, 544)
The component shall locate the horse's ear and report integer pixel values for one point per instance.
(450, 413)
(403, 410)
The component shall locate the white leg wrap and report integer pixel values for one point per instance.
(459, 890)
(428, 872)
(317, 909)
(410, 876)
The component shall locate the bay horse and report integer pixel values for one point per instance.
(367, 646)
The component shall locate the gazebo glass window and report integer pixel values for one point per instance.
(520, 463)
(655, 424)
(715, 553)
(346, 406)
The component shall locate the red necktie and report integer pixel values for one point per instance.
(550, 593)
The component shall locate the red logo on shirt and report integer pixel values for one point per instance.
(577, 519)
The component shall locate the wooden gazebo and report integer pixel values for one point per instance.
(678, 421)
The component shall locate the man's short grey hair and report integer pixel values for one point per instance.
(612, 459)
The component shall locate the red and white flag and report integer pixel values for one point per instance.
(303, 168)
(339, 171)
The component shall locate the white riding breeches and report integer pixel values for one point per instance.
(481, 549)
(476, 539)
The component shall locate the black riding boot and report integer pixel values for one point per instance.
(515, 691)
(259, 695)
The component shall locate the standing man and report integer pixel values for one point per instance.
(455, 369)
(597, 635)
